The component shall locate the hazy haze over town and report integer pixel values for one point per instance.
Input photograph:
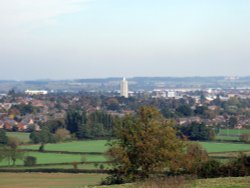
(67, 39)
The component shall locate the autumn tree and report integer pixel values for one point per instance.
(146, 143)
(62, 134)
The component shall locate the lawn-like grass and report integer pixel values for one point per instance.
(45, 180)
(233, 131)
(52, 158)
(227, 138)
(100, 146)
(23, 137)
(68, 166)
(212, 147)
(75, 146)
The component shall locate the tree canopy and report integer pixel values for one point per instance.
(146, 143)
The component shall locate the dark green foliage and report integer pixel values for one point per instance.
(74, 119)
(232, 122)
(184, 110)
(197, 131)
(234, 168)
(3, 137)
(209, 169)
(24, 109)
(53, 125)
(201, 110)
(44, 136)
(30, 161)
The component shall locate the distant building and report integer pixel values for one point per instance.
(171, 94)
(36, 92)
(124, 88)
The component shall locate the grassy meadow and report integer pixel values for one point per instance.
(59, 180)
(54, 158)
(23, 137)
(212, 147)
(75, 146)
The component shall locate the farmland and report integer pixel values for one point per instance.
(75, 146)
(212, 147)
(23, 137)
(43, 180)
(26, 180)
(231, 134)
(89, 155)
(53, 158)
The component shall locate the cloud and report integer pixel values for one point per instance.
(24, 13)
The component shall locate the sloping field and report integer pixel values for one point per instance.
(44, 180)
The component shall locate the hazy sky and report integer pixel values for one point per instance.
(62, 39)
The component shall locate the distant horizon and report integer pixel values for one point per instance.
(120, 77)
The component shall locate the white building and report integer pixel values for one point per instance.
(36, 92)
(124, 88)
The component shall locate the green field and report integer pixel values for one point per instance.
(212, 147)
(75, 146)
(52, 158)
(227, 138)
(23, 137)
(68, 166)
(234, 131)
(45, 180)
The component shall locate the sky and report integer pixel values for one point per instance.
(71, 39)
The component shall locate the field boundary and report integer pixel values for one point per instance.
(55, 170)
(63, 152)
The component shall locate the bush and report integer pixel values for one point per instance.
(210, 169)
(30, 161)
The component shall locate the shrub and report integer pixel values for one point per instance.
(245, 137)
(209, 169)
(75, 165)
(30, 161)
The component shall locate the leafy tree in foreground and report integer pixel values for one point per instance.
(145, 144)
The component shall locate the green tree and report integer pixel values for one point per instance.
(197, 131)
(74, 119)
(12, 152)
(144, 144)
(184, 110)
(3, 137)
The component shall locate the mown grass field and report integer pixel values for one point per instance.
(54, 158)
(75, 146)
(23, 137)
(45, 180)
(231, 134)
(100, 146)
(212, 147)
(66, 166)
(234, 131)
